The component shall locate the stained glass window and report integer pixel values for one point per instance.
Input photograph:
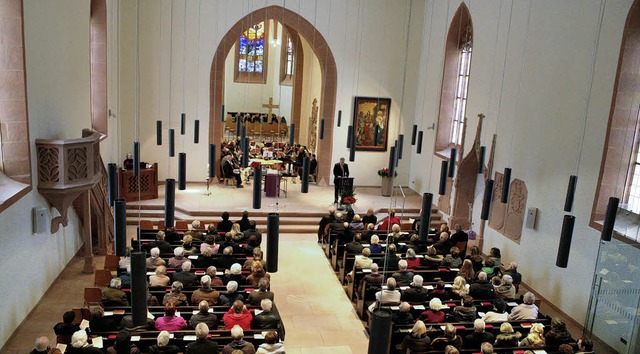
(251, 49)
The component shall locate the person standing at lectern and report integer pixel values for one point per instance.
(340, 169)
(128, 162)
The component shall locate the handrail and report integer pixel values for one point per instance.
(394, 197)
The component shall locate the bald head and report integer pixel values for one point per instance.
(42, 344)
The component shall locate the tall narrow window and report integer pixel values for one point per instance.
(461, 93)
(633, 187)
(287, 58)
(455, 82)
(251, 54)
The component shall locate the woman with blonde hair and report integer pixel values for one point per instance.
(370, 218)
(535, 338)
(257, 273)
(459, 288)
(356, 223)
(187, 244)
(235, 233)
(161, 278)
(507, 337)
(417, 340)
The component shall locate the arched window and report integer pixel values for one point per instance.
(620, 166)
(251, 54)
(287, 58)
(15, 170)
(455, 82)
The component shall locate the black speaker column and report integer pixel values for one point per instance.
(273, 235)
(196, 131)
(486, 200)
(305, 175)
(571, 191)
(565, 241)
(212, 160)
(172, 142)
(322, 129)
(112, 172)
(182, 171)
(414, 133)
(120, 227)
(506, 183)
(183, 124)
(380, 336)
(159, 132)
(425, 218)
(610, 219)
(419, 148)
(169, 202)
(139, 288)
(257, 187)
(136, 158)
(483, 151)
(452, 163)
(442, 190)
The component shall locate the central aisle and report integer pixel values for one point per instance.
(318, 316)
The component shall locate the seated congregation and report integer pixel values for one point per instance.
(208, 291)
(441, 297)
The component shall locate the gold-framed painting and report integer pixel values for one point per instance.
(370, 113)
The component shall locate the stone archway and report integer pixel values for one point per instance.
(327, 65)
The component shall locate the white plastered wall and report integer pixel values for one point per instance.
(530, 75)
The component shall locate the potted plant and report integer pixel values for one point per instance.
(387, 181)
(348, 198)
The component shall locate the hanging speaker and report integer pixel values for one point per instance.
(196, 131)
(169, 202)
(442, 190)
(571, 191)
(352, 149)
(376, 135)
(400, 145)
(238, 124)
(245, 152)
(349, 136)
(506, 183)
(273, 235)
(120, 227)
(159, 132)
(112, 170)
(292, 134)
(419, 149)
(565, 241)
(183, 123)
(414, 134)
(610, 219)
(452, 162)
(339, 118)
(172, 142)
(257, 187)
(321, 129)
(212, 160)
(222, 116)
(139, 288)
(486, 200)
(304, 188)
(136, 158)
(182, 171)
(483, 151)
(425, 217)
(392, 161)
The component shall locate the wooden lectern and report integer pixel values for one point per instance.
(145, 186)
(344, 183)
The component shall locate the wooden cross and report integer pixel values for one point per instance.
(270, 105)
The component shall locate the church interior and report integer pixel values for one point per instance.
(516, 122)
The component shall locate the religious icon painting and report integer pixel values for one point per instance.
(371, 114)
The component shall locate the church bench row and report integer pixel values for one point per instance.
(382, 235)
(195, 266)
(118, 312)
(428, 275)
(145, 339)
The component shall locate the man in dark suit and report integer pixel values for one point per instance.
(340, 169)
(228, 171)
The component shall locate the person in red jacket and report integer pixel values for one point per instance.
(389, 221)
(237, 315)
